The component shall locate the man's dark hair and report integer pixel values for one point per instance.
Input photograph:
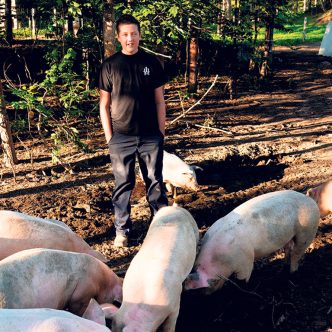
(127, 19)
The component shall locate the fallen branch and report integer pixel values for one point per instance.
(238, 287)
(155, 53)
(197, 103)
(218, 129)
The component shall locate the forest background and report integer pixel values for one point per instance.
(51, 52)
(253, 114)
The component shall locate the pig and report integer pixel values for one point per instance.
(56, 279)
(153, 282)
(176, 173)
(51, 320)
(19, 231)
(254, 229)
(322, 195)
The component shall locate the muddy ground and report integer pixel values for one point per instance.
(278, 136)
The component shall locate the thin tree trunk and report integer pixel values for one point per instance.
(33, 23)
(228, 9)
(5, 134)
(14, 14)
(193, 56)
(219, 17)
(108, 29)
(193, 59)
(255, 23)
(70, 24)
(9, 22)
(267, 60)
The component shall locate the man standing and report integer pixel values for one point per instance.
(132, 113)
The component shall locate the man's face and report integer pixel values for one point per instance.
(129, 38)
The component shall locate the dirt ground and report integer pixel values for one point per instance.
(276, 137)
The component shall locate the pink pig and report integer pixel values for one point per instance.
(19, 231)
(48, 278)
(177, 173)
(51, 320)
(255, 229)
(322, 195)
(153, 282)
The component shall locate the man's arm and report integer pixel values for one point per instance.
(161, 108)
(105, 113)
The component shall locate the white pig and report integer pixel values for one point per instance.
(56, 279)
(176, 173)
(19, 231)
(322, 195)
(255, 229)
(153, 282)
(51, 320)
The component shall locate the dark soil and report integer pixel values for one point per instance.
(276, 137)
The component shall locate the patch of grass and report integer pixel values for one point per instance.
(293, 33)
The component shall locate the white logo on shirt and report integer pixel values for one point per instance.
(146, 71)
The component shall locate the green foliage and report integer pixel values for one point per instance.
(61, 83)
(63, 134)
(30, 100)
(167, 22)
(19, 125)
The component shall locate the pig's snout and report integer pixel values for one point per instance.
(192, 186)
(191, 183)
(193, 281)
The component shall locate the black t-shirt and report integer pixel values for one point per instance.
(131, 79)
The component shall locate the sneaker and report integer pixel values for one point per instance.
(121, 240)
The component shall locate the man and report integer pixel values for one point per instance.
(132, 112)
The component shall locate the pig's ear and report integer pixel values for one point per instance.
(194, 167)
(109, 310)
(95, 313)
(310, 192)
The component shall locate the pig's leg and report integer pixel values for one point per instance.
(169, 187)
(94, 312)
(301, 243)
(174, 193)
(288, 248)
(170, 322)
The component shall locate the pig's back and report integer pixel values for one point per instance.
(168, 253)
(266, 221)
(28, 320)
(36, 277)
(19, 231)
(278, 205)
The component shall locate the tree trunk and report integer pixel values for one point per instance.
(5, 134)
(70, 24)
(267, 60)
(219, 17)
(9, 22)
(228, 9)
(33, 23)
(193, 59)
(108, 29)
(255, 10)
(267, 57)
(14, 14)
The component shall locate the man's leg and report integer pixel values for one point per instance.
(150, 159)
(122, 150)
